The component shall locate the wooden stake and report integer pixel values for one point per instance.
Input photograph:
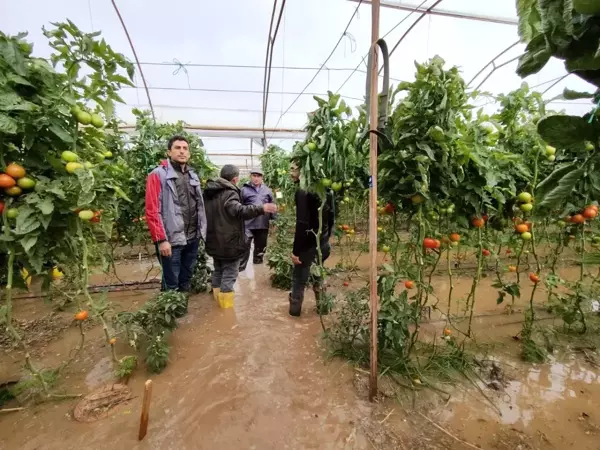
(145, 410)
(374, 112)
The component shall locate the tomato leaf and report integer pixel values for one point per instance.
(562, 191)
(28, 242)
(57, 128)
(46, 206)
(565, 131)
(568, 94)
(120, 193)
(26, 220)
(7, 124)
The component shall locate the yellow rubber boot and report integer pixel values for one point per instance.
(216, 292)
(226, 299)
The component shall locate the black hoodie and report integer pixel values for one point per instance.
(307, 220)
(225, 214)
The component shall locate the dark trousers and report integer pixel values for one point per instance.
(177, 269)
(260, 238)
(302, 271)
(225, 274)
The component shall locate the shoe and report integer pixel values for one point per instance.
(295, 306)
(216, 292)
(226, 299)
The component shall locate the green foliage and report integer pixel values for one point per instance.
(125, 367)
(151, 325)
(336, 155)
(275, 163)
(201, 277)
(279, 259)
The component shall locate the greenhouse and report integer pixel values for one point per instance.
(318, 224)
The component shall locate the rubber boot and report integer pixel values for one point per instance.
(295, 306)
(216, 292)
(226, 299)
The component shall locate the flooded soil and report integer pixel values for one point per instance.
(254, 378)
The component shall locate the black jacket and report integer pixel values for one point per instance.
(307, 220)
(225, 213)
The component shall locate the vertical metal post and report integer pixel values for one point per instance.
(373, 122)
(251, 155)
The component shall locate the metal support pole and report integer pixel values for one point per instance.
(373, 123)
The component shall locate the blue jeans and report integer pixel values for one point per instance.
(177, 269)
(225, 274)
(302, 271)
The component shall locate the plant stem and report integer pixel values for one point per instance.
(475, 280)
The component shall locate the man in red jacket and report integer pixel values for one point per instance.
(175, 215)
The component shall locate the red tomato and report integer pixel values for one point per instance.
(485, 252)
(455, 237)
(521, 228)
(429, 243)
(590, 213)
(409, 284)
(578, 219)
(477, 222)
(534, 278)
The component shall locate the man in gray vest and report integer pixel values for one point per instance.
(175, 215)
(256, 192)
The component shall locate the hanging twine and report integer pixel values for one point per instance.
(181, 67)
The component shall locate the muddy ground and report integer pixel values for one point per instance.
(254, 378)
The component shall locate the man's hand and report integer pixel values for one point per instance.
(270, 208)
(165, 249)
(296, 260)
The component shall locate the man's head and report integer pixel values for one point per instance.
(256, 176)
(178, 149)
(294, 171)
(231, 173)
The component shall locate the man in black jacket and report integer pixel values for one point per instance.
(225, 234)
(305, 250)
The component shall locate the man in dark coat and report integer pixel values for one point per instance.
(256, 192)
(305, 250)
(225, 234)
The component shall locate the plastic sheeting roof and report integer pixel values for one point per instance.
(222, 46)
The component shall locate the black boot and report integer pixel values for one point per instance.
(295, 306)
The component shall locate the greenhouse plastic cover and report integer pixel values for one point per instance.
(184, 45)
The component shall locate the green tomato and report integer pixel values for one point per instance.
(550, 150)
(347, 184)
(311, 146)
(26, 183)
(526, 236)
(97, 121)
(347, 199)
(417, 199)
(84, 118)
(561, 223)
(326, 182)
(525, 197)
(71, 167)
(88, 165)
(100, 157)
(336, 187)
(454, 244)
(551, 158)
(12, 213)
(86, 215)
(589, 146)
(526, 207)
(68, 156)
(108, 154)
